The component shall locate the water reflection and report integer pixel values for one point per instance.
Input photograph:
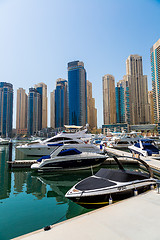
(5, 175)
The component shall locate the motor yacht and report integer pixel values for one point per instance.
(67, 158)
(145, 148)
(110, 185)
(45, 147)
(124, 141)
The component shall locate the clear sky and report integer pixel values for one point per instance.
(39, 37)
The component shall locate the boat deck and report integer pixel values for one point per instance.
(133, 218)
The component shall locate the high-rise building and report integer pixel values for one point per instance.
(120, 103)
(52, 109)
(109, 101)
(151, 104)
(34, 111)
(61, 103)
(138, 90)
(42, 89)
(77, 93)
(91, 110)
(155, 69)
(6, 109)
(21, 116)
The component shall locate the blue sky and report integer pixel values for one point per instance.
(39, 37)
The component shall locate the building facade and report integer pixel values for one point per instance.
(109, 101)
(155, 69)
(52, 109)
(151, 105)
(77, 93)
(21, 111)
(138, 90)
(42, 89)
(34, 111)
(91, 110)
(61, 103)
(6, 109)
(120, 103)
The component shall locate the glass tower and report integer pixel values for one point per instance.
(77, 93)
(6, 109)
(155, 69)
(34, 111)
(61, 103)
(120, 104)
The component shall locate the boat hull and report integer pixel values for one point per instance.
(99, 200)
(69, 164)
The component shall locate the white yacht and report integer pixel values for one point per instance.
(124, 141)
(67, 158)
(45, 147)
(145, 148)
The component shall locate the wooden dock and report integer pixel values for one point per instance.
(21, 163)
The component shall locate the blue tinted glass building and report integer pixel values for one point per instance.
(61, 103)
(6, 109)
(34, 111)
(77, 93)
(120, 104)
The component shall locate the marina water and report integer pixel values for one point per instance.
(30, 201)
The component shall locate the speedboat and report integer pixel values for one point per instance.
(67, 158)
(145, 148)
(45, 147)
(110, 185)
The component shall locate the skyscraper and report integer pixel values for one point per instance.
(120, 103)
(91, 110)
(109, 101)
(21, 116)
(138, 90)
(42, 89)
(52, 109)
(6, 109)
(61, 103)
(155, 69)
(34, 111)
(151, 104)
(77, 93)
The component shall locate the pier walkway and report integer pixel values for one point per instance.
(133, 218)
(153, 163)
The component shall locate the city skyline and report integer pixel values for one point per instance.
(102, 34)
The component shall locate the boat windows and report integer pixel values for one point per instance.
(122, 142)
(59, 139)
(71, 151)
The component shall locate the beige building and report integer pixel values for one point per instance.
(52, 109)
(151, 104)
(42, 89)
(138, 90)
(21, 113)
(109, 101)
(155, 69)
(91, 110)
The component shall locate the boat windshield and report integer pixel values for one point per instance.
(71, 151)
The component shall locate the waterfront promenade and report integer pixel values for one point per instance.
(133, 218)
